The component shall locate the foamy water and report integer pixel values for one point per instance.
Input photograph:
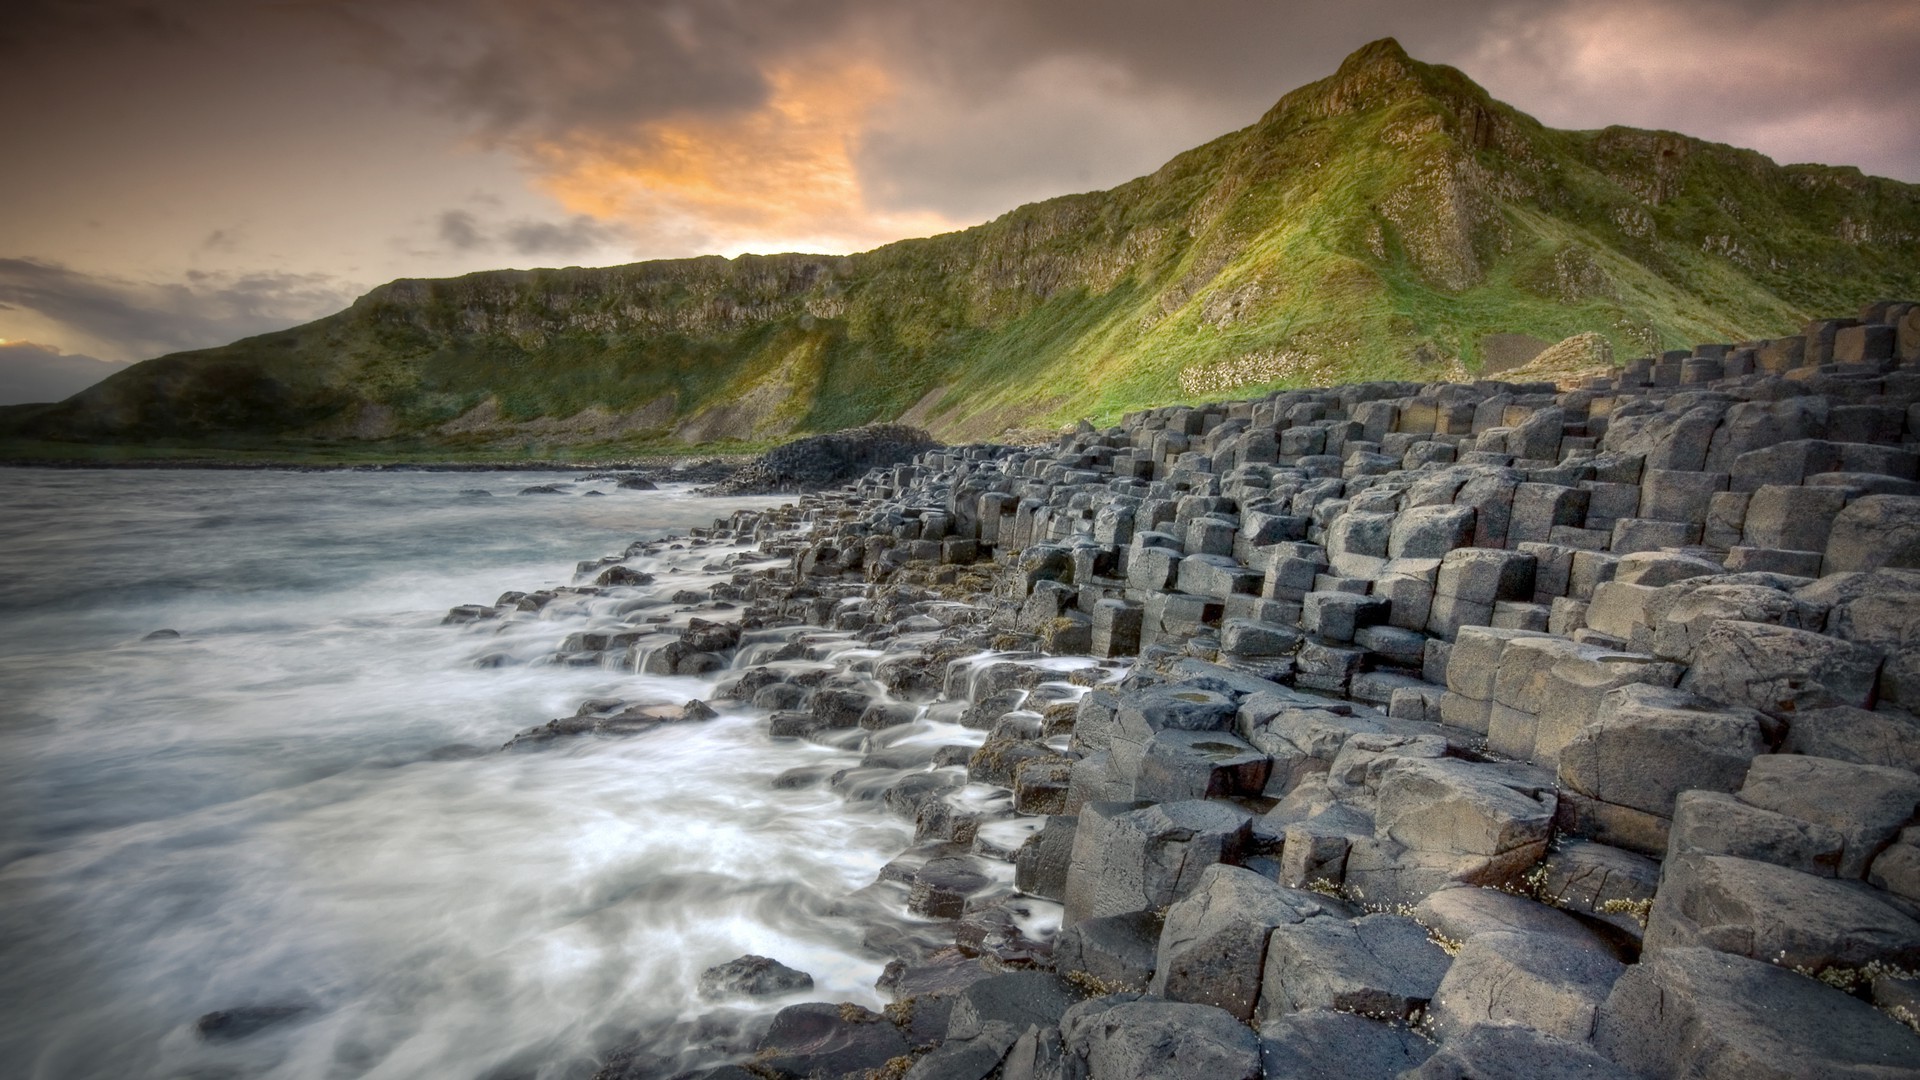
(300, 801)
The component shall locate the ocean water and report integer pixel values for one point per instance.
(299, 803)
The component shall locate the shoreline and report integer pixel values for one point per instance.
(661, 464)
(1373, 726)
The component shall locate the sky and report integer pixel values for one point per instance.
(176, 174)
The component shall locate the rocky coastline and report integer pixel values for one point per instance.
(1384, 730)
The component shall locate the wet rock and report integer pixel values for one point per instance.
(1020, 999)
(941, 887)
(174, 635)
(711, 637)
(828, 1040)
(995, 932)
(1041, 865)
(1040, 785)
(939, 976)
(240, 1022)
(622, 575)
(752, 976)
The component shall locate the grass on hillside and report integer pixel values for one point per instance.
(1375, 225)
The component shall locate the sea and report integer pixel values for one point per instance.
(247, 773)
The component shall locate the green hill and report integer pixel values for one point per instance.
(1383, 222)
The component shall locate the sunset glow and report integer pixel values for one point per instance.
(780, 177)
(209, 171)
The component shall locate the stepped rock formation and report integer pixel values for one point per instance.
(1415, 730)
(1381, 223)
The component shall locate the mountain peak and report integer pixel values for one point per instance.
(1385, 218)
(1382, 53)
(1372, 75)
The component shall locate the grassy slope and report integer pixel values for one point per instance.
(1376, 224)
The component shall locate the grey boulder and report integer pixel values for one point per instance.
(1709, 1015)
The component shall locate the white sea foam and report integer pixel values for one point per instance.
(265, 811)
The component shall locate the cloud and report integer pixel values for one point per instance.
(462, 230)
(1754, 73)
(135, 320)
(30, 372)
(840, 124)
(781, 176)
(577, 235)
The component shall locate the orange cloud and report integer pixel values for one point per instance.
(778, 178)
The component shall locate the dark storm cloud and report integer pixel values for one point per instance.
(995, 101)
(574, 236)
(32, 27)
(462, 230)
(137, 320)
(30, 372)
(521, 68)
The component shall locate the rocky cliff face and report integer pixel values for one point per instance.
(1378, 223)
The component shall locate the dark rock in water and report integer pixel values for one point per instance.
(995, 933)
(752, 976)
(457, 752)
(828, 1040)
(551, 730)
(703, 636)
(623, 575)
(827, 460)
(232, 1025)
(678, 1049)
(475, 493)
(543, 489)
(940, 975)
(599, 493)
(803, 776)
(162, 635)
(638, 483)
(630, 720)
